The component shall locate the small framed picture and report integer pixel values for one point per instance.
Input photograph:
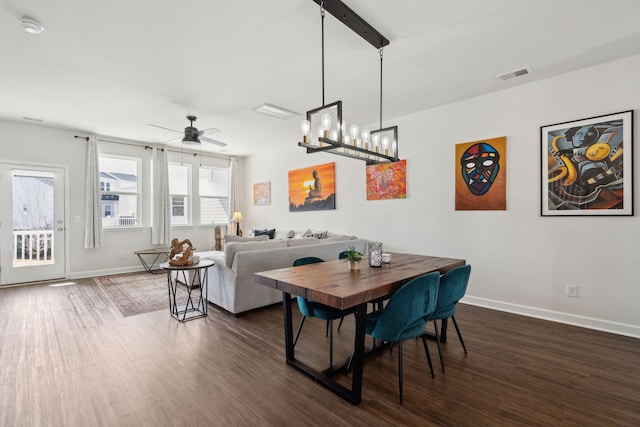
(262, 194)
(587, 166)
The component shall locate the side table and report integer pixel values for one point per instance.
(158, 253)
(187, 277)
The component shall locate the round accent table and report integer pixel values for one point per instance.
(181, 281)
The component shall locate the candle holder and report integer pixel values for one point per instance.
(375, 254)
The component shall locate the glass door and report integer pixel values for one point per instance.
(32, 228)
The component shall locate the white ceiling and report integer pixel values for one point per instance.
(111, 67)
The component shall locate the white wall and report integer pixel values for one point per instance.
(521, 261)
(47, 146)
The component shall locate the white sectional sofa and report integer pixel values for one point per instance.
(230, 281)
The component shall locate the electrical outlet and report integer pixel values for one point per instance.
(572, 291)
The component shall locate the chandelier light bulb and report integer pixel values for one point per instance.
(325, 119)
(354, 130)
(321, 133)
(365, 134)
(375, 140)
(305, 126)
(334, 135)
(385, 144)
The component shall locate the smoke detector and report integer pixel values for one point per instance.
(31, 26)
(515, 73)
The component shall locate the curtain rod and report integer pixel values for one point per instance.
(148, 147)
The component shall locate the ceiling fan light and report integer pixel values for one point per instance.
(190, 139)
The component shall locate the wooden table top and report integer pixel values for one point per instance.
(333, 284)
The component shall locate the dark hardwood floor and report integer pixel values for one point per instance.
(69, 358)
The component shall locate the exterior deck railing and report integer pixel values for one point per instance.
(32, 245)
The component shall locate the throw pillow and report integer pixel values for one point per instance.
(318, 234)
(271, 233)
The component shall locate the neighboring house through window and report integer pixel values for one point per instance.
(119, 191)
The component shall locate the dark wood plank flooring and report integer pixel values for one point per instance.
(69, 358)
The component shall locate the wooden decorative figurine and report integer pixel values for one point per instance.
(178, 248)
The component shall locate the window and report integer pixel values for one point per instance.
(180, 192)
(119, 191)
(214, 195)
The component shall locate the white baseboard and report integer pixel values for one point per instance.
(556, 316)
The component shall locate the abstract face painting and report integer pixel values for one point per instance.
(480, 165)
(481, 175)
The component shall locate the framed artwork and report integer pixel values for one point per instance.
(262, 194)
(587, 166)
(312, 188)
(387, 181)
(481, 175)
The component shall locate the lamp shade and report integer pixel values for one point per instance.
(237, 217)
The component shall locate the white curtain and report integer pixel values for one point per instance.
(93, 235)
(161, 222)
(233, 191)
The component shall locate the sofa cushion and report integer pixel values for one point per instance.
(231, 238)
(284, 234)
(302, 242)
(230, 249)
(338, 238)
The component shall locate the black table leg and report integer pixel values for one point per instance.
(353, 396)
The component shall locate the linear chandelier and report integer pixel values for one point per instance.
(375, 146)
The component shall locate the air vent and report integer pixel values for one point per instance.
(515, 73)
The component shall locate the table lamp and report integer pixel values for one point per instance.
(237, 217)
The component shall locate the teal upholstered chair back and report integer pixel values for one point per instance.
(303, 305)
(453, 286)
(405, 313)
(343, 255)
(307, 260)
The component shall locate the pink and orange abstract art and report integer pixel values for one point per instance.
(387, 181)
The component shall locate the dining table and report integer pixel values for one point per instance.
(332, 283)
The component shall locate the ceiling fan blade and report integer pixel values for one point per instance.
(212, 141)
(172, 130)
(173, 141)
(209, 131)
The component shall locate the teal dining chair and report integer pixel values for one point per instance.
(453, 286)
(405, 315)
(310, 308)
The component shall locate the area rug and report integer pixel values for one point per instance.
(136, 293)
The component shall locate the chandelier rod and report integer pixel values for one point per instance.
(322, 25)
(380, 50)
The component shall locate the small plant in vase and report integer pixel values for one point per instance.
(353, 257)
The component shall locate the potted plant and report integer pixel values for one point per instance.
(353, 257)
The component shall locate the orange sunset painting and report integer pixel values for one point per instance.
(312, 188)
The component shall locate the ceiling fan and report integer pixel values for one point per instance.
(191, 135)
